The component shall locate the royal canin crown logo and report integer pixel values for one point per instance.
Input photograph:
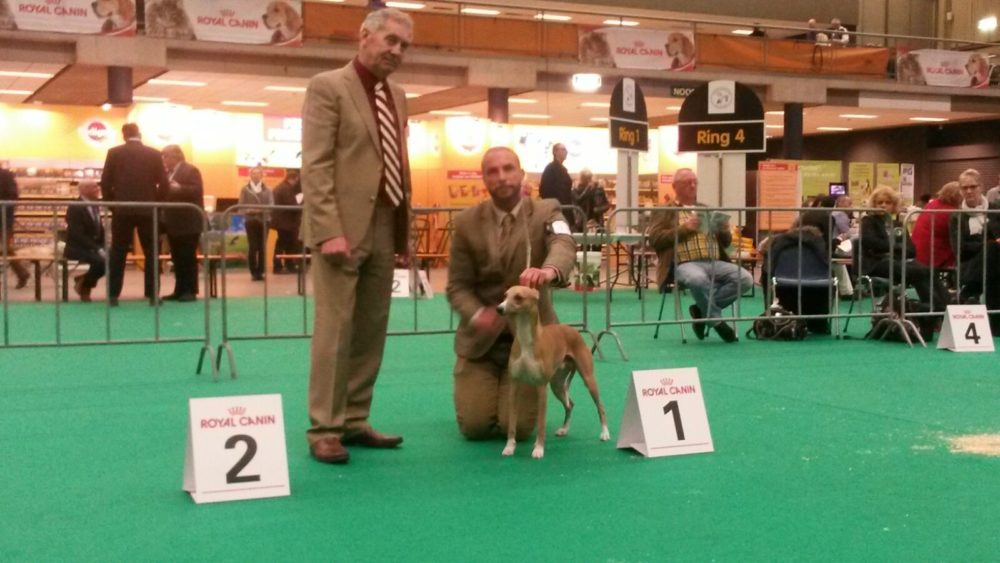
(666, 381)
(237, 411)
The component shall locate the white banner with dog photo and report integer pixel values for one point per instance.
(100, 17)
(639, 49)
(257, 22)
(936, 67)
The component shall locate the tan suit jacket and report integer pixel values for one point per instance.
(479, 272)
(342, 159)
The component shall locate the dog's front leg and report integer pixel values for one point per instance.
(511, 420)
(543, 397)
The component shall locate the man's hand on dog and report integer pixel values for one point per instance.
(535, 278)
(487, 319)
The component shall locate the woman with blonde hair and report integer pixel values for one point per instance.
(930, 232)
(883, 244)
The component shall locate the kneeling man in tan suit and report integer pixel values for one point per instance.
(490, 253)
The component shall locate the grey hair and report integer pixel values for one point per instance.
(375, 21)
(173, 149)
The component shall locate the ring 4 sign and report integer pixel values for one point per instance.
(721, 116)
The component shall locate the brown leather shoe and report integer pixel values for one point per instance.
(371, 439)
(22, 280)
(330, 450)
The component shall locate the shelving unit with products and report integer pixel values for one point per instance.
(36, 224)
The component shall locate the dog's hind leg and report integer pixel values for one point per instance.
(511, 421)
(560, 388)
(585, 363)
(543, 397)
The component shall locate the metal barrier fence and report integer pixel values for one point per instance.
(898, 277)
(431, 229)
(59, 264)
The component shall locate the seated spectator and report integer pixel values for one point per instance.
(697, 253)
(85, 240)
(811, 34)
(931, 232)
(993, 195)
(883, 243)
(970, 231)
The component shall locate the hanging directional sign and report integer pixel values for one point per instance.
(721, 116)
(627, 122)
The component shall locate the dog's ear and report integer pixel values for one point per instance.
(293, 21)
(533, 293)
(126, 9)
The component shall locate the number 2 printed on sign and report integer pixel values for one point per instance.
(233, 475)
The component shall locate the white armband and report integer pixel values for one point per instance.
(560, 228)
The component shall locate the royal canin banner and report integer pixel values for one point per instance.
(256, 22)
(640, 49)
(935, 67)
(100, 17)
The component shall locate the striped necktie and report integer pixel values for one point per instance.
(389, 136)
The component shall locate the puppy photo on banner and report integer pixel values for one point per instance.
(253, 22)
(85, 17)
(671, 49)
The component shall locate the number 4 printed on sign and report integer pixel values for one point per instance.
(966, 329)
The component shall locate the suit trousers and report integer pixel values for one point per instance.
(255, 247)
(90, 257)
(351, 318)
(184, 253)
(122, 227)
(482, 396)
(287, 243)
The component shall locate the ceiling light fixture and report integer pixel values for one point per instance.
(987, 24)
(480, 12)
(240, 103)
(411, 95)
(522, 100)
(586, 82)
(164, 82)
(595, 105)
(285, 88)
(833, 129)
(405, 5)
(15, 92)
(553, 17)
(741, 31)
(19, 74)
(774, 112)
(448, 112)
(774, 126)
(673, 108)
(153, 99)
(621, 22)
(530, 116)
(858, 116)
(599, 119)
(929, 119)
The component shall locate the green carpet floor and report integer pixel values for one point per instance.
(825, 450)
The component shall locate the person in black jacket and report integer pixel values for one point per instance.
(8, 192)
(184, 226)
(807, 259)
(132, 172)
(556, 182)
(85, 240)
(882, 250)
(286, 222)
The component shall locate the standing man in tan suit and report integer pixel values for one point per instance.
(356, 187)
(489, 254)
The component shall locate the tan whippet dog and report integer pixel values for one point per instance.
(545, 354)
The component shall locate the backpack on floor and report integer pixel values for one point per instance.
(777, 324)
